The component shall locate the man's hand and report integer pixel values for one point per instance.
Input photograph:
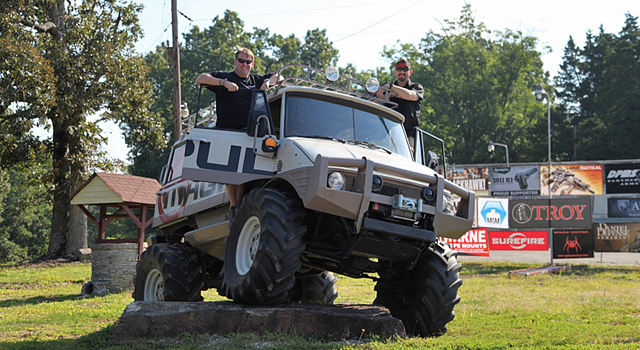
(207, 79)
(384, 90)
(230, 86)
(265, 85)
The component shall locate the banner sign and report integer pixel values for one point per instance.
(622, 178)
(492, 212)
(474, 242)
(471, 178)
(616, 237)
(572, 180)
(518, 240)
(568, 244)
(623, 207)
(515, 181)
(563, 213)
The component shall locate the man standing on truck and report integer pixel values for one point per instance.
(407, 95)
(233, 100)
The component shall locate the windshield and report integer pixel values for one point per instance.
(319, 118)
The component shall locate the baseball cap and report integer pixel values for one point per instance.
(403, 63)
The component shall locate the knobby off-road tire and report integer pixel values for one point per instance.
(263, 248)
(314, 289)
(423, 299)
(168, 272)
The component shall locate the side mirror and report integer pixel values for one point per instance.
(258, 126)
(163, 173)
(432, 160)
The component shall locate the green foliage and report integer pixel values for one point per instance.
(599, 90)
(213, 49)
(60, 62)
(25, 214)
(478, 89)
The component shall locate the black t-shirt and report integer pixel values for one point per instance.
(410, 109)
(232, 108)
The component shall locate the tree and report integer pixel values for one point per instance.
(212, 49)
(599, 89)
(68, 60)
(317, 50)
(478, 89)
(25, 213)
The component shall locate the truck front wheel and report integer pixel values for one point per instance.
(263, 248)
(168, 272)
(423, 299)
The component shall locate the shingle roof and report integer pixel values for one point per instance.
(130, 188)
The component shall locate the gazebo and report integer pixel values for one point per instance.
(127, 193)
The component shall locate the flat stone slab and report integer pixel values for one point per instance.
(143, 319)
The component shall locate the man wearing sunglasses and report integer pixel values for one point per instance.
(232, 89)
(233, 100)
(407, 95)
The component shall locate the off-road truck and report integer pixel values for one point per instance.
(329, 186)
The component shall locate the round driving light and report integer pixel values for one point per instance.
(332, 73)
(428, 194)
(372, 85)
(335, 181)
(376, 183)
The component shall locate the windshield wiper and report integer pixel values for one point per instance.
(324, 138)
(370, 145)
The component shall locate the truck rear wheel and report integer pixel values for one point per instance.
(168, 272)
(425, 297)
(314, 289)
(263, 248)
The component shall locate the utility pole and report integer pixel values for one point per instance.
(175, 54)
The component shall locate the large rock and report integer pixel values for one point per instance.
(143, 319)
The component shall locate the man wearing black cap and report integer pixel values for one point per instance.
(407, 95)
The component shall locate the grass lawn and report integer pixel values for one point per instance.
(588, 307)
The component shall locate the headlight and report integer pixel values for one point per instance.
(428, 194)
(335, 181)
(372, 85)
(377, 183)
(332, 73)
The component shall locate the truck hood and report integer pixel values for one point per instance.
(335, 149)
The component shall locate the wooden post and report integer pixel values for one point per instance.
(103, 223)
(143, 226)
(175, 53)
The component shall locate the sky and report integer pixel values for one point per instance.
(361, 29)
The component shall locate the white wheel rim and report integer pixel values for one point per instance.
(154, 286)
(248, 244)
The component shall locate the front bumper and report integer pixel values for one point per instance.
(311, 184)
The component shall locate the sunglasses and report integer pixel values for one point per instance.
(402, 69)
(245, 61)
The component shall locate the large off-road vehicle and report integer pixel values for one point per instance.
(329, 186)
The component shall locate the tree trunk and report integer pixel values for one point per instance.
(68, 225)
(77, 236)
(61, 189)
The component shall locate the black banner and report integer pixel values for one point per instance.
(623, 207)
(555, 213)
(568, 244)
(622, 178)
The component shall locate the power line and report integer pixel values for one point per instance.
(380, 21)
(185, 16)
(155, 41)
(298, 11)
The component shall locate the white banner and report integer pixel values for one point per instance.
(493, 212)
